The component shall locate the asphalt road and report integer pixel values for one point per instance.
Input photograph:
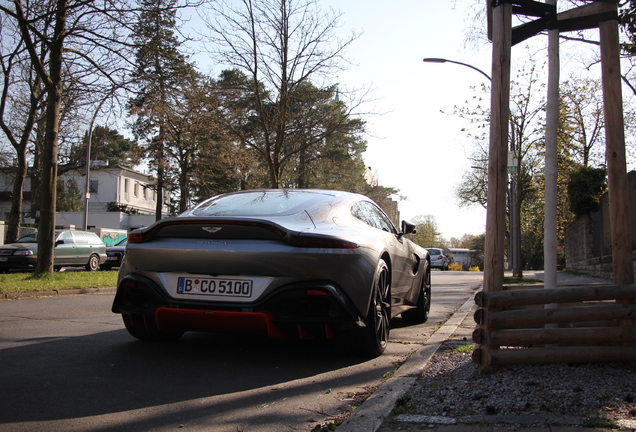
(68, 364)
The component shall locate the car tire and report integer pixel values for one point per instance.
(149, 335)
(93, 263)
(372, 339)
(419, 314)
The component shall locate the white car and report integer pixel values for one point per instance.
(438, 258)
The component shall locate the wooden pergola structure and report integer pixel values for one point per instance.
(602, 14)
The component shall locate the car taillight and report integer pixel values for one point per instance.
(135, 238)
(320, 242)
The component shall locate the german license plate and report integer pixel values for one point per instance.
(215, 286)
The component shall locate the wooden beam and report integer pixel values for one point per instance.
(563, 336)
(596, 8)
(592, 354)
(526, 297)
(516, 319)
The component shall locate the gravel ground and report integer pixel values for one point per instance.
(602, 395)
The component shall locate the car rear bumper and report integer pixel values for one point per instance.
(305, 310)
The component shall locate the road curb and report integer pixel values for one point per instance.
(56, 293)
(369, 416)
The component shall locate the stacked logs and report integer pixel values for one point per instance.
(578, 324)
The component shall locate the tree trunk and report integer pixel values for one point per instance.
(48, 190)
(15, 215)
(159, 207)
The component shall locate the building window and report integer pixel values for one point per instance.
(144, 192)
(125, 185)
(136, 191)
(93, 186)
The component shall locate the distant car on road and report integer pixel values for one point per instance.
(72, 249)
(115, 254)
(284, 263)
(438, 258)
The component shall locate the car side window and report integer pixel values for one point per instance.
(80, 238)
(93, 238)
(372, 215)
(67, 237)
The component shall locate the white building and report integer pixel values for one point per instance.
(109, 186)
(463, 256)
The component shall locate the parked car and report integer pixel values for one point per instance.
(115, 254)
(72, 249)
(438, 258)
(284, 263)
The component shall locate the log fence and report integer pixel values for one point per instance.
(578, 324)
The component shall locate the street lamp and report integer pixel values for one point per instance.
(443, 60)
(87, 186)
(515, 226)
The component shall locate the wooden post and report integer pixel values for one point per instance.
(615, 153)
(498, 150)
(497, 156)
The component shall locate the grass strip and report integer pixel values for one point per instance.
(27, 282)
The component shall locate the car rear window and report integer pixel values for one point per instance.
(435, 251)
(257, 203)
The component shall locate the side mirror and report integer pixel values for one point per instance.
(59, 242)
(408, 228)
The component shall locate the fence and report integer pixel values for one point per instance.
(577, 324)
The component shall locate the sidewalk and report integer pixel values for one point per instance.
(374, 414)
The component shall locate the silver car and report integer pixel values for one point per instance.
(438, 258)
(283, 263)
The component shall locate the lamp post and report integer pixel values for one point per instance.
(87, 194)
(443, 60)
(514, 218)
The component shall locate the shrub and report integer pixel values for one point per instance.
(455, 266)
(476, 268)
(585, 188)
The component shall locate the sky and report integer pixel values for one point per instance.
(413, 146)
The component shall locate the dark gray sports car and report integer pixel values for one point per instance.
(284, 263)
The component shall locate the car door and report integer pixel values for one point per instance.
(82, 246)
(65, 253)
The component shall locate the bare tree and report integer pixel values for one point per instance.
(280, 45)
(85, 42)
(21, 103)
(583, 124)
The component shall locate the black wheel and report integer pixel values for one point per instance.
(140, 332)
(93, 263)
(372, 339)
(419, 314)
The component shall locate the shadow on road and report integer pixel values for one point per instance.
(110, 372)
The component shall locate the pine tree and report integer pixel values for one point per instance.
(161, 70)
